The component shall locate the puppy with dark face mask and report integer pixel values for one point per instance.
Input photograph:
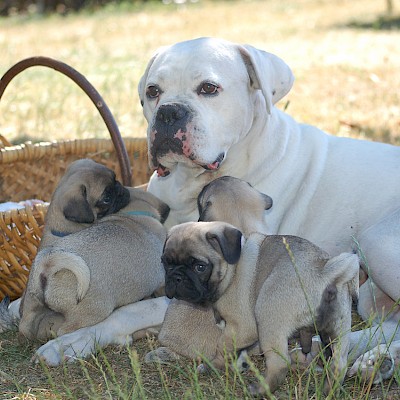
(83, 276)
(88, 191)
(261, 288)
(236, 202)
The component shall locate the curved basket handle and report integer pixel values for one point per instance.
(94, 95)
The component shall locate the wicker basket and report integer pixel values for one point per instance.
(31, 171)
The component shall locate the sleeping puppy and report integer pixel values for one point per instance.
(88, 191)
(84, 276)
(236, 202)
(265, 290)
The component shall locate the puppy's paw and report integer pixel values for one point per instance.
(301, 360)
(221, 324)
(376, 364)
(162, 355)
(202, 369)
(67, 348)
(256, 390)
(242, 362)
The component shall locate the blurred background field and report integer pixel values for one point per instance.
(345, 55)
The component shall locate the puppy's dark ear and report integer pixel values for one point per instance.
(268, 202)
(227, 242)
(203, 211)
(79, 210)
(200, 200)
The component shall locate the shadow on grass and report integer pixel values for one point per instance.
(381, 23)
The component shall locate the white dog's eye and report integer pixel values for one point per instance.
(153, 92)
(208, 88)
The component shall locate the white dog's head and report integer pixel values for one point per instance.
(202, 96)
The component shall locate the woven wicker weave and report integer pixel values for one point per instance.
(32, 171)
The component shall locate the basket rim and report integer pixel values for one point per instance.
(30, 151)
(19, 213)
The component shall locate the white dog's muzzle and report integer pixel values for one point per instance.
(171, 139)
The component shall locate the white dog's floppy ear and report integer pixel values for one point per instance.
(268, 73)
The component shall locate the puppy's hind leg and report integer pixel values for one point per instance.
(337, 365)
(338, 340)
(276, 366)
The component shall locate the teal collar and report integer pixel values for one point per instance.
(142, 213)
(59, 233)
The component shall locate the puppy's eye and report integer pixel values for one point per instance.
(208, 89)
(199, 268)
(153, 91)
(106, 199)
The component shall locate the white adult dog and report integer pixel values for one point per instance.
(210, 106)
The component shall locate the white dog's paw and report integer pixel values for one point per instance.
(68, 347)
(162, 355)
(121, 340)
(376, 364)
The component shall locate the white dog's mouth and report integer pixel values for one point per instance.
(163, 171)
(216, 164)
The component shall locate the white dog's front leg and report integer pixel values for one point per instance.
(378, 363)
(115, 329)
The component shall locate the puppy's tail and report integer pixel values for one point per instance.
(55, 275)
(344, 269)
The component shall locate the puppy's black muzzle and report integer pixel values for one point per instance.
(183, 284)
(114, 198)
(172, 282)
(122, 197)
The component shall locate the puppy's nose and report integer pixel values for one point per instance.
(169, 114)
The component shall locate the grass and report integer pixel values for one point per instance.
(345, 56)
(120, 373)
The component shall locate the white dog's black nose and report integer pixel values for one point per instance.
(170, 114)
